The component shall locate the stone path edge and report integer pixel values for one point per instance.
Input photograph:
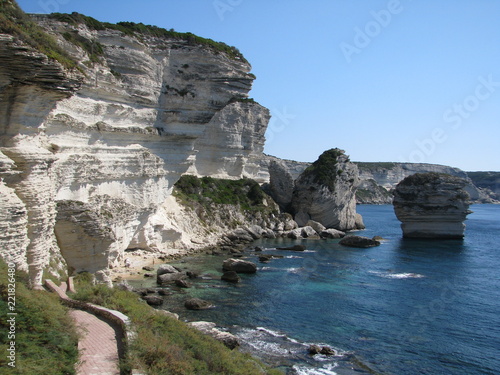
(121, 320)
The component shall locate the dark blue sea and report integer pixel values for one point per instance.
(405, 307)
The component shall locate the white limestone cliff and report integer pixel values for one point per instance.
(88, 157)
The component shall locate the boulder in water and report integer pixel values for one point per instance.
(358, 241)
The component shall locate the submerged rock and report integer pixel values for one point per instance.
(432, 205)
(182, 284)
(293, 248)
(325, 350)
(197, 304)
(231, 277)
(358, 241)
(239, 266)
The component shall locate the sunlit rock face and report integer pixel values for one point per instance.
(116, 133)
(432, 205)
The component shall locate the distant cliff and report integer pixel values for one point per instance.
(379, 179)
(488, 183)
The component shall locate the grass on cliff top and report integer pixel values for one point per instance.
(15, 22)
(207, 190)
(324, 170)
(138, 29)
(165, 345)
(45, 336)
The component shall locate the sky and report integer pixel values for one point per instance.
(394, 80)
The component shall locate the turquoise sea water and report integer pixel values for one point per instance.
(405, 307)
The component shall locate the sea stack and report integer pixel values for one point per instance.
(326, 193)
(432, 205)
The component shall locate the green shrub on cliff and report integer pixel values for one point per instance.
(45, 336)
(324, 170)
(15, 22)
(207, 191)
(164, 345)
(139, 29)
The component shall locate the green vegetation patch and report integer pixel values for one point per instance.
(140, 29)
(15, 22)
(165, 345)
(325, 170)
(420, 179)
(370, 166)
(245, 192)
(46, 340)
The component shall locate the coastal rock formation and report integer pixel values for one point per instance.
(432, 205)
(89, 156)
(378, 180)
(488, 184)
(325, 192)
(210, 329)
(281, 183)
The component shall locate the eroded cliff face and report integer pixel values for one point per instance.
(89, 158)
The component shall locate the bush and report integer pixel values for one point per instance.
(207, 190)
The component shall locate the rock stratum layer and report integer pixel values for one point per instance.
(432, 205)
(88, 157)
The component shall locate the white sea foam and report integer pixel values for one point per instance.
(405, 275)
(303, 370)
(269, 269)
(271, 332)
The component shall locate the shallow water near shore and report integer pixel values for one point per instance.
(405, 307)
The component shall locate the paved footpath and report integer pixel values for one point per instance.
(98, 346)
